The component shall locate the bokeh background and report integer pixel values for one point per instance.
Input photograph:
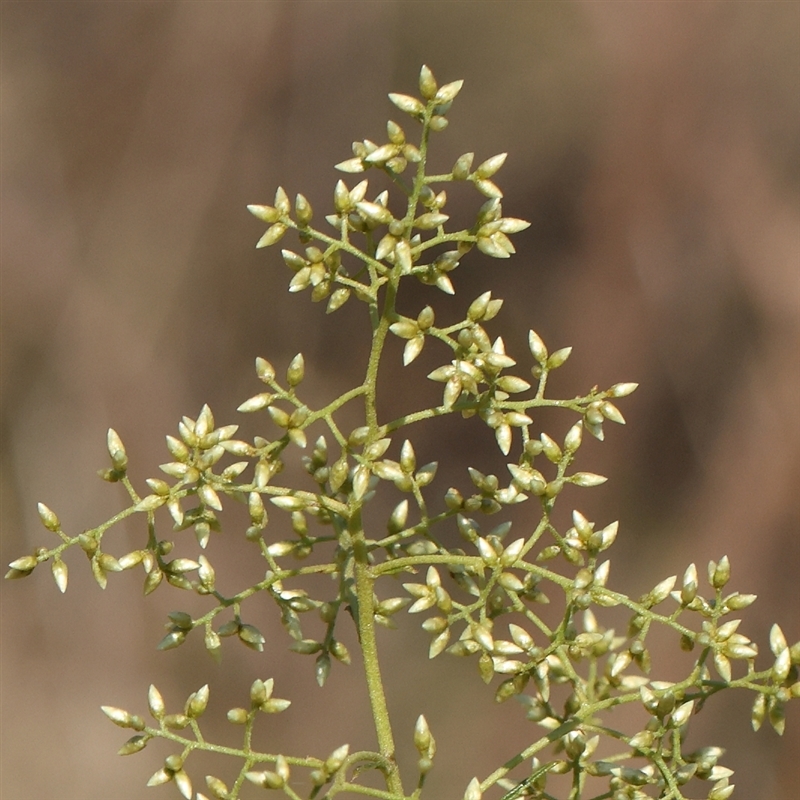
(655, 146)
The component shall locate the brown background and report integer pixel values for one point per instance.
(655, 147)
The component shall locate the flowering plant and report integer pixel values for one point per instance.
(478, 586)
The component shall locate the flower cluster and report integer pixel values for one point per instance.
(482, 600)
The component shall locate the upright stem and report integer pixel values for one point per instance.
(378, 340)
(369, 649)
(364, 578)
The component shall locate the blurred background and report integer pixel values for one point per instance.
(655, 147)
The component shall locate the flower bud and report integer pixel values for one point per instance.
(48, 517)
(335, 760)
(302, 210)
(116, 450)
(422, 736)
(473, 790)
(462, 167)
(295, 371)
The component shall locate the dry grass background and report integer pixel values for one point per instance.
(655, 147)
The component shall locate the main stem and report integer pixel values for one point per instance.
(369, 648)
(364, 578)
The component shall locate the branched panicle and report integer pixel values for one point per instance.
(479, 601)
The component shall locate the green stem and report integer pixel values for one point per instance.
(365, 617)
(356, 788)
(529, 751)
(371, 382)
